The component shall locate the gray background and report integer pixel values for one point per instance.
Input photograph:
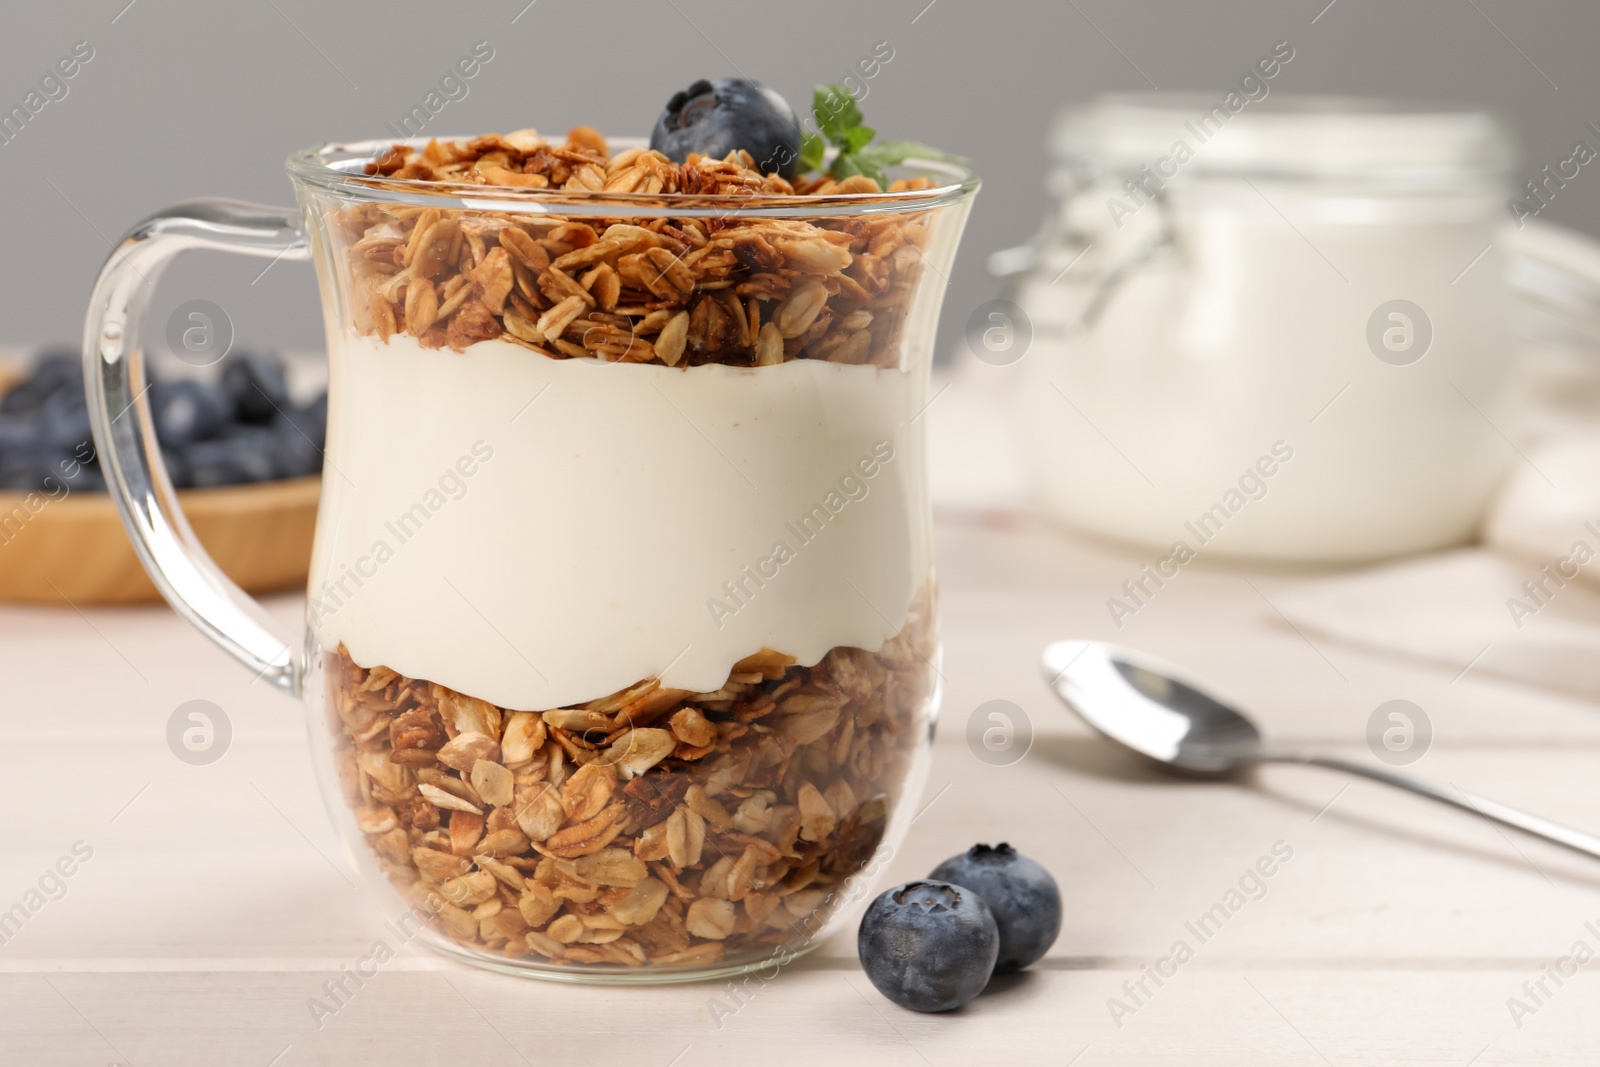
(189, 98)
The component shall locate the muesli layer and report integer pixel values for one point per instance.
(681, 291)
(649, 827)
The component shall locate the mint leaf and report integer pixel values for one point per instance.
(844, 165)
(811, 148)
(835, 111)
(847, 163)
(873, 171)
(838, 119)
(856, 138)
(890, 153)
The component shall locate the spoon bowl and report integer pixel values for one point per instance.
(1147, 706)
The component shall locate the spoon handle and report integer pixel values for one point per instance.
(1576, 840)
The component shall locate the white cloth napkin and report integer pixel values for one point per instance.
(1525, 604)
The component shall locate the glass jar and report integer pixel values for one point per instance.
(620, 657)
(1278, 330)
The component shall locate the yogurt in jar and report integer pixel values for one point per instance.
(1321, 277)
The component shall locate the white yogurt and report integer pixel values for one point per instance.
(541, 532)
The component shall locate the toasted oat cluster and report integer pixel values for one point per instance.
(653, 826)
(682, 291)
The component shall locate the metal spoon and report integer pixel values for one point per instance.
(1148, 706)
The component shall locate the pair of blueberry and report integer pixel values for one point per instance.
(932, 945)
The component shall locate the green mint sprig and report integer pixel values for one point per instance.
(839, 123)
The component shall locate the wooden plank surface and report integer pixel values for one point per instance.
(217, 901)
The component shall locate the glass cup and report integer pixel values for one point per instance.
(620, 659)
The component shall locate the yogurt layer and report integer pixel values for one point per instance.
(539, 532)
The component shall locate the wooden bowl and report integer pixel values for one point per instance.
(75, 550)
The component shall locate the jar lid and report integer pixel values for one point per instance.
(1283, 135)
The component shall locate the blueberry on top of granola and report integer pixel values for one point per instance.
(714, 118)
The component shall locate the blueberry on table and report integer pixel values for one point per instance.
(1021, 894)
(255, 384)
(186, 410)
(928, 946)
(721, 116)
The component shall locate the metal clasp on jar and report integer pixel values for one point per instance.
(1091, 253)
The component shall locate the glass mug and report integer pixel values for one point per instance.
(614, 670)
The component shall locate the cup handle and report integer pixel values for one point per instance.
(124, 433)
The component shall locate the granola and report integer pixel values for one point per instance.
(680, 291)
(650, 827)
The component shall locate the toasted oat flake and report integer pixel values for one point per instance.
(641, 749)
(442, 799)
(493, 782)
(710, 918)
(524, 735)
(466, 749)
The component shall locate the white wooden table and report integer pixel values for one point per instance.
(217, 902)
